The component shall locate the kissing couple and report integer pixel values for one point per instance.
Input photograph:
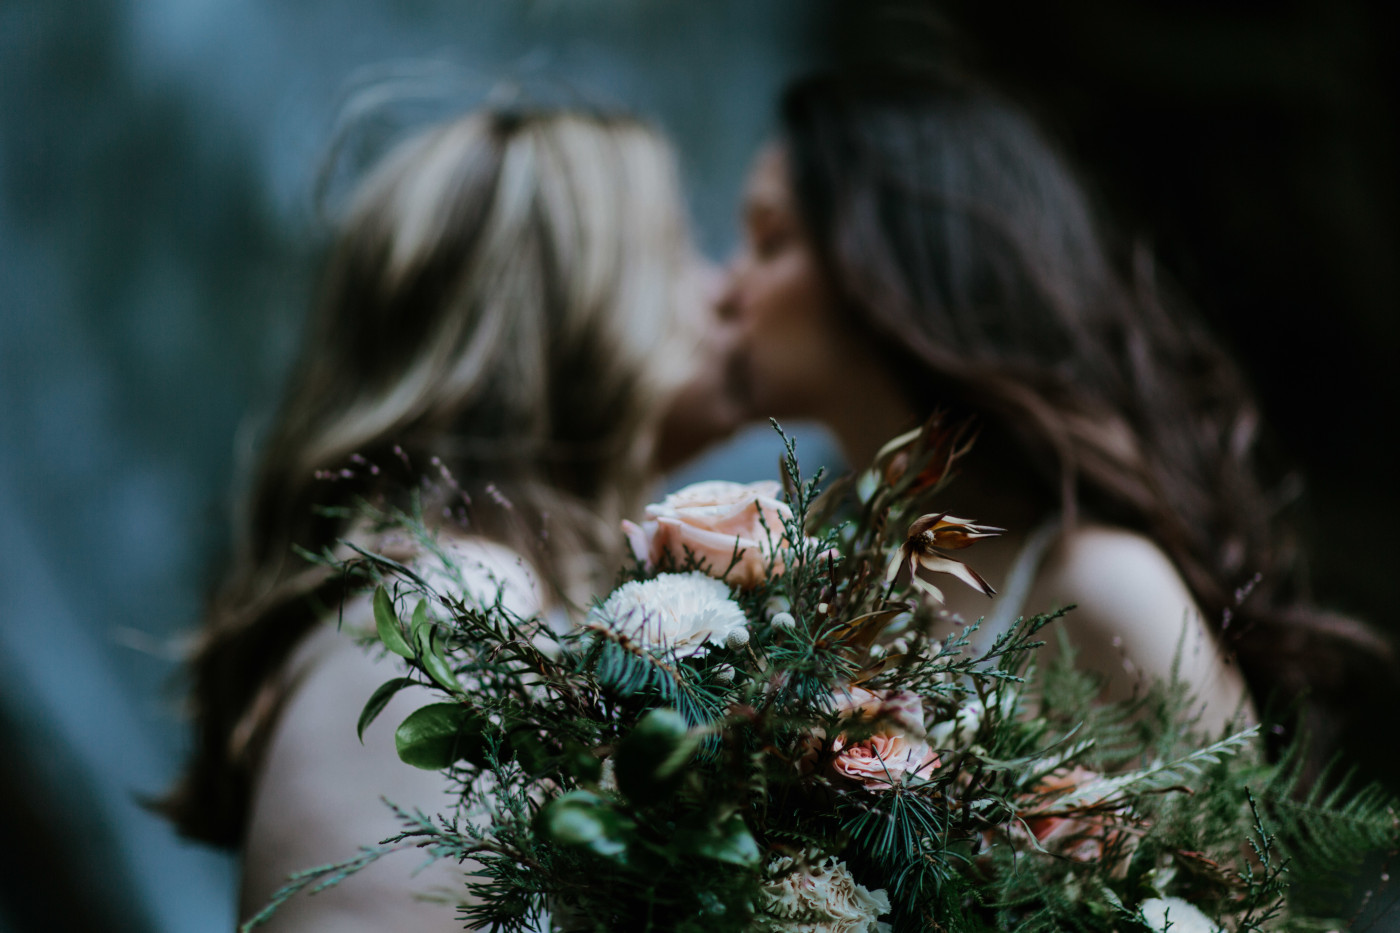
(515, 330)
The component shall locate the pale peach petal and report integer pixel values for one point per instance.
(711, 519)
(726, 507)
(891, 754)
(639, 539)
(731, 517)
(957, 569)
(715, 550)
(926, 587)
(884, 759)
(896, 564)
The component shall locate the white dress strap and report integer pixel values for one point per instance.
(1011, 601)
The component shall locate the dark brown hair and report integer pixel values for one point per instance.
(961, 242)
(499, 307)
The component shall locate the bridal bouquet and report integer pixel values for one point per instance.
(767, 725)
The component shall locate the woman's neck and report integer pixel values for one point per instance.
(866, 419)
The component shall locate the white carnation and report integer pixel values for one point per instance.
(821, 898)
(1184, 916)
(681, 612)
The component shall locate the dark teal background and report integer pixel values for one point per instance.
(158, 237)
(157, 240)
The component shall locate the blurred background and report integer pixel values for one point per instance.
(158, 241)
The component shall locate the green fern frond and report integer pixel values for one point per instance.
(1156, 778)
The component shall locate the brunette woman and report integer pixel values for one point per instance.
(914, 243)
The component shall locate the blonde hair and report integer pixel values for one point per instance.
(504, 306)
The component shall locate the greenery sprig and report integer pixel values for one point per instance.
(823, 748)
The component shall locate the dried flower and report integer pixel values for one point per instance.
(681, 612)
(820, 898)
(931, 450)
(929, 537)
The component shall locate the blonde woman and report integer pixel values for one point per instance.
(505, 312)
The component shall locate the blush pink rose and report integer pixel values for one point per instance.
(906, 710)
(712, 520)
(1082, 837)
(895, 751)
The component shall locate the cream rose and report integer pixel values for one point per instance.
(715, 520)
(680, 612)
(820, 898)
(895, 751)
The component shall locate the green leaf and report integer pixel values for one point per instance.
(652, 758)
(730, 842)
(378, 701)
(534, 756)
(427, 640)
(580, 818)
(427, 649)
(582, 763)
(436, 736)
(387, 624)
(1157, 777)
(418, 625)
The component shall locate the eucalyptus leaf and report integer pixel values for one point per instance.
(378, 701)
(418, 624)
(386, 623)
(652, 758)
(581, 818)
(582, 763)
(434, 661)
(730, 842)
(438, 735)
(532, 754)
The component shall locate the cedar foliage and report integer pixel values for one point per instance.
(617, 787)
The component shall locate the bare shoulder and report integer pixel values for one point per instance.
(320, 792)
(484, 571)
(1101, 565)
(319, 797)
(1135, 618)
